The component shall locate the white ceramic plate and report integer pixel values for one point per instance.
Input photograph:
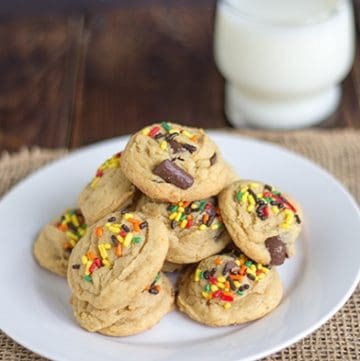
(34, 308)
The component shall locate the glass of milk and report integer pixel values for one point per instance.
(283, 60)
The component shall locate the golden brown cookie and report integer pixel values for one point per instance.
(56, 240)
(228, 289)
(169, 267)
(143, 312)
(171, 162)
(263, 222)
(119, 256)
(195, 229)
(107, 192)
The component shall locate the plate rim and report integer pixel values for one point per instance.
(211, 132)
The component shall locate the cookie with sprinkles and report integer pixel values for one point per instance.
(262, 221)
(143, 312)
(118, 257)
(108, 191)
(196, 229)
(228, 289)
(56, 240)
(170, 162)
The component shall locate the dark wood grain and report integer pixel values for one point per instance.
(148, 63)
(67, 81)
(38, 62)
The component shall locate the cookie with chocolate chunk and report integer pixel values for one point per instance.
(107, 192)
(142, 313)
(117, 258)
(195, 229)
(263, 222)
(228, 289)
(171, 162)
(56, 240)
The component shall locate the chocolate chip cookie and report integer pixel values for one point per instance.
(171, 162)
(117, 258)
(142, 313)
(195, 229)
(56, 240)
(263, 222)
(107, 192)
(228, 289)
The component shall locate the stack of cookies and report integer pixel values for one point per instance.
(170, 203)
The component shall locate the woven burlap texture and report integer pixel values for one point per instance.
(337, 151)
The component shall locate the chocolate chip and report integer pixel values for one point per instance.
(171, 136)
(114, 240)
(213, 159)
(72, 227)
(232, 284)
(158, 136)
(143, 225)
(251, 277)
(75, 266)
(173, 224)
(228, 267)
(218, 235)
(210, 220)
(125, 228)
(246, 286)
(253, 194)
(187, 210)
(153, 291)
(268, 187)
(213, 271)
(277, 250)
(297, 218)
(206, 274)
(172, 173)
(112, 219)
(175, 146)
(189, 147)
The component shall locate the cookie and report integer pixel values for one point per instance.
(143, 312)
(118, 257)
(170, 162)
(107, 192)
(169, 267)
(263, 222)
(228, 289)
(195, 229)
(56, 240)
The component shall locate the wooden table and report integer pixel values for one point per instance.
(70, 80)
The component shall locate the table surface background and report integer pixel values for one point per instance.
(70, 78)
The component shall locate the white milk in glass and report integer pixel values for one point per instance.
(283, 60)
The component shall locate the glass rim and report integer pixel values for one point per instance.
(254, 19)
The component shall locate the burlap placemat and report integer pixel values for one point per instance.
(338, 151)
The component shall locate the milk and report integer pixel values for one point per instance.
(283, 59)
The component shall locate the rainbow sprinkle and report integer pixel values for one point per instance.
(226, 281)
(165, 135)
(72, 223)
(118, 237)
(266, 203)
(111, 163)
(154, 288)
(203, 214)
